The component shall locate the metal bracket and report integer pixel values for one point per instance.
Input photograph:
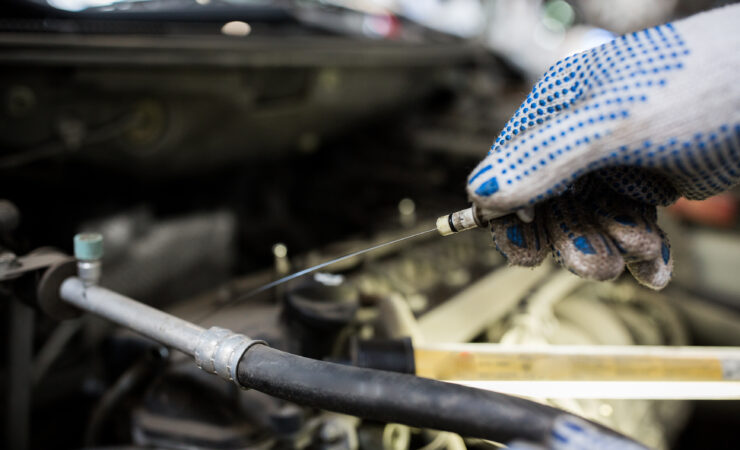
(33, 261)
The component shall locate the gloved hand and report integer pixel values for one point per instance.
(608, 134)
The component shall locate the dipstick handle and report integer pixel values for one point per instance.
(465, 219)
(469, 218)
(456, 222)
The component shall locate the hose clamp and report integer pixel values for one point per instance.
(219, 351)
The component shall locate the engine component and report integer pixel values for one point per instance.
(317, 314)
(378, 395)
(88, 252)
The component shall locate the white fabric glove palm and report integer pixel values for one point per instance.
(609, 133)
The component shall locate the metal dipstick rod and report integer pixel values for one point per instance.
(215, 350)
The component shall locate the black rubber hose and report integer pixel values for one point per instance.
(395, 397)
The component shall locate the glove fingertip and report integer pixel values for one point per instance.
(522, 244)
(657, 272)
(636, 236)
(603, 269)
(578, 245)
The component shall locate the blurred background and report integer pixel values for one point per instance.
(219, 144)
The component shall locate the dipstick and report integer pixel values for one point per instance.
(469, 218)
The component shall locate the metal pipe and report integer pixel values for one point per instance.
(150, 322)
(216, 350)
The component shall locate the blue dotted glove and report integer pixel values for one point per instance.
(608, 134)
(570, 433)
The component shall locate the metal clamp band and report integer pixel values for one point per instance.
(219, 351)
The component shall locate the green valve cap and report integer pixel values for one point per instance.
(88, 246)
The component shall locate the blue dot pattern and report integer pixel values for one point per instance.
(488, 188)
(578, 244)
(665, 252)
(621, 73)
(525, 243)
(570, 433)
(630, 225)
(655, 273)
(625, 220)
(706, 164)
(579, 102)
(608, 134)
(515, 236)
(582, 243)
(654, 189)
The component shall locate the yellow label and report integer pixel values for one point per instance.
(453, 365)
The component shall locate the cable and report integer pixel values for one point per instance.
(395, 397)
(300, 273)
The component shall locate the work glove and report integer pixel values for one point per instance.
(607, 135)
(571, 433)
